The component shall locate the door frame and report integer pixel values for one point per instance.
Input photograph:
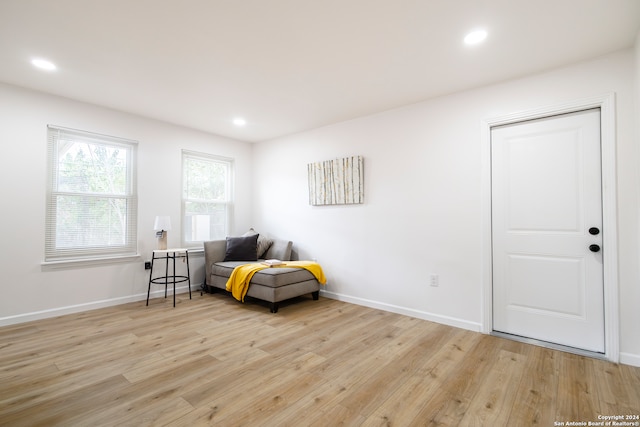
(606, 103)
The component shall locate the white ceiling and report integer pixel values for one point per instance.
(292, 65)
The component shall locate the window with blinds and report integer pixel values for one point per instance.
(206, 197)
(91, 196)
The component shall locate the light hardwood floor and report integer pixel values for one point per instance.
(214, 361)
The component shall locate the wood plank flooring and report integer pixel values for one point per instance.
(214, 361)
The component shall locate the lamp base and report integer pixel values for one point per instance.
(162, 239)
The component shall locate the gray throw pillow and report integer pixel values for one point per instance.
(264, 243)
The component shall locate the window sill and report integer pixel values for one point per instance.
(88, 262)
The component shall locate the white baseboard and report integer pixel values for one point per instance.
(630, 359)
(445, 320)
(54, 312)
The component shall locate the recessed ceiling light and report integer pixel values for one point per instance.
(475, 37)
(239, 121)
(43, 64)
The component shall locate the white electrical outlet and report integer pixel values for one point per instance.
(434, 280)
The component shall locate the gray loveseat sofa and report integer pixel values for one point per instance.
(271, 284)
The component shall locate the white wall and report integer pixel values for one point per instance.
(29, 291)
(422, 210)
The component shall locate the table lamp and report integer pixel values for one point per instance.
(161, 226)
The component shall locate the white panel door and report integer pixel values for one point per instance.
(547, 230)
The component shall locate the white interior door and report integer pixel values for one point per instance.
(546, 218)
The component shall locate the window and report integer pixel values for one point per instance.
(91, 197)
(206, 197)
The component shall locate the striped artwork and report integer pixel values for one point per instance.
(336, 182)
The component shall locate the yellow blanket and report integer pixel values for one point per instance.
(238, 283)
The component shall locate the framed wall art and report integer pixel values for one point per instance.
(336, 182)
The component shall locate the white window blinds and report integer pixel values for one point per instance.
(91, 196)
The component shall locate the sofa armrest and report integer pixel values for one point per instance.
(214, 251)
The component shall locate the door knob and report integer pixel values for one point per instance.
(594, 248)
(594, 231)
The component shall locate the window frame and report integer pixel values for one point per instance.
(229, 163)
(54, 255)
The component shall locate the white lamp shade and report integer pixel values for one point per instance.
(162, 223)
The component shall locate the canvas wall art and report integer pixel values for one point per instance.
(336, 182)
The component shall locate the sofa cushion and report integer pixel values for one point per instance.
(272, 277)
(242, 248)
(264, 243)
